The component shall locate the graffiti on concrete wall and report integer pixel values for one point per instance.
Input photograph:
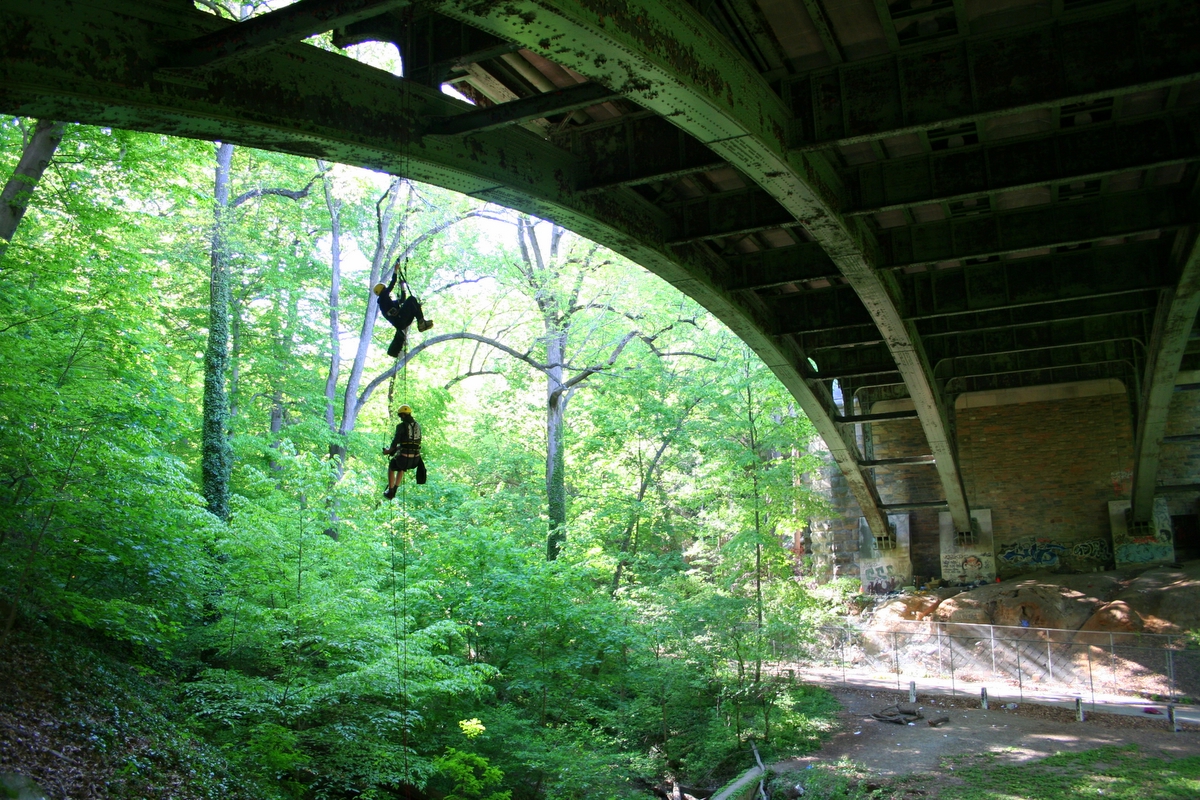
(881, 578)
(1092, 550)
(1137, 542)
(879, 571)
(1134, 552)
(882, 586)
(968, 567)
(1031, 552)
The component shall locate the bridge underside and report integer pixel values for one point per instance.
(888, 200)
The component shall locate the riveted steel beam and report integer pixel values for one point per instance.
(289, 24)
(1054, 347)
(527, 108)
(1036, 337)
(993, 295)
(820, 21)
(902, 461)
(1074, 275)
(805, 261)
(1088, 153)
(728, 214)
(927, 505)
(1120, 369)
(967, 82)
(1125, 350)
(835, 308)
(1051, 225)
(1138, 305)
(814, 342)
(633, 150)
(885, 416)
(1173, 324)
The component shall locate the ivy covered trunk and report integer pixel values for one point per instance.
(217, 455)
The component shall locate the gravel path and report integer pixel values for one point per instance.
(1016, 735)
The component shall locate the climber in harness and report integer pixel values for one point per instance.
(400, 313)
(405, 451)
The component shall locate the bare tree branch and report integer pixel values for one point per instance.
(453, 284)
(289, 193)
(569, 386)
(453, 381)
(446, 337)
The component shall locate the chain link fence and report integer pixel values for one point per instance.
(1027, 661)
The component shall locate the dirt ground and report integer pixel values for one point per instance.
(1018, 735)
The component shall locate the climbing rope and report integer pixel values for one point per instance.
(400, 610)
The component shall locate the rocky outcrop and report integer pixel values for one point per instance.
(1161, 600)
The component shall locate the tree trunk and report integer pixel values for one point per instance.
(14, 200)
(235, 353)
(217, 455)
(335, 327)
(556, 406)
(337, 445)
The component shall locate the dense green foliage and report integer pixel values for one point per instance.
(330, 644)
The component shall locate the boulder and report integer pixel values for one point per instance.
(1161, 600)
(1040, 600)
(907, 606)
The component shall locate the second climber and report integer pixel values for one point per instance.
(405, 450)
(400, 313)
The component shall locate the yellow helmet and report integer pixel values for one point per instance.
(379, 287)
(404, 409)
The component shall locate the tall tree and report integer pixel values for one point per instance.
(14, 199)
(216, 453)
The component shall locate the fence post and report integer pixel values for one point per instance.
(842, 654)
(1091, 682)
(1171, 669)
(1020, 680)
(1079, 709)
(912, 691)
(983, 698)
(953, 689)
(1049, 656)
(992, 630)
(1171, 718)
(1112, 664)
(896, 657)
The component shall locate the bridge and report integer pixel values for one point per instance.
(902, 206)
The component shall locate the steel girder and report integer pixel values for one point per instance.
(995, 294)
(1045, 226)
(1089, 153)
(1134, 47)
(633, 150)
(662, 55)
(1173, 325)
